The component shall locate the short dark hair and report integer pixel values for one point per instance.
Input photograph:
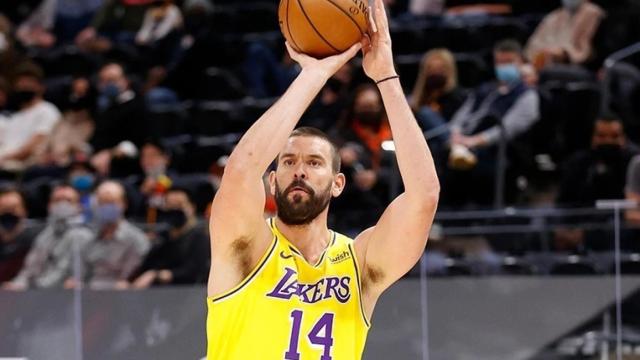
(7, 189)
(314, 132)
(191, 198)
(158, 144)
(28, 69)
(508, 45)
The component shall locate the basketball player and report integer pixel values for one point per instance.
(289, 288)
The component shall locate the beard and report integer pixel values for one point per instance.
(298, 211)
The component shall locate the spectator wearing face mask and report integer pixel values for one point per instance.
(594, 174)
(181, 255)
(16, 236)
(81, 176)
(157, 178)
(436, 96)
(565, 35)
(119, 108)
(503, 109)
(49, 262)
(24, 134)
(118, 248)
(360, 135)
(599, 172)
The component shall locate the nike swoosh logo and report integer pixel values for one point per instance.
(282, 255)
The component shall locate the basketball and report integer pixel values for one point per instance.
(321, 28)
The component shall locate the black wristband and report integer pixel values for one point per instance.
(387, 78)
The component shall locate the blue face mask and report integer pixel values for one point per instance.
(508, 73)
(107, 214)
(110, 90)
(82, 183)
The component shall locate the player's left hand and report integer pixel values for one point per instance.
(327, 66)
(376, 46)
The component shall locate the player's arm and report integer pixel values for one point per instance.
(392, 247)
(237, 223)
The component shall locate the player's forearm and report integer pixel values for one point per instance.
(414, 158)
(262, 142)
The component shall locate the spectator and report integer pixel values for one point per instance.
(359, 136)
(494, 111)
(119, 246)
(157, 177)
(181, 256)
(117, 21)
(593, 174)
(565, 35)
(70, 136)
(599, 172)
(119, 107)
(436, 96)
(24, 134)
(16, 236)
(50, 260)
(82, 177)
(160, 20)
(632, 190)
(66, 16)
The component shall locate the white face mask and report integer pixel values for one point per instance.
(62, 210)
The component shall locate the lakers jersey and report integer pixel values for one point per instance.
(288, 309)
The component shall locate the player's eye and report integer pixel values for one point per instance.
(288, 162)
(314, 163)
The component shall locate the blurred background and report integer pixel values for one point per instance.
(117, 117)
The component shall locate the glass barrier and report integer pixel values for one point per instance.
(502, 284)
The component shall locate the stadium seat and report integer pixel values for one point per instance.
(573, 265)
(219, 84)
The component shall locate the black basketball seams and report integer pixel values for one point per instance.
(348, 15)
(314, 27)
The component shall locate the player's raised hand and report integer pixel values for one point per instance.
(327, 66)
(376, 46)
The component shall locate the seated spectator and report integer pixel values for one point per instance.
(117, 21)
(494, 111)
(119, 247)
(16, 236)
(594, 174)
(70, 136)
(49, 262)
(24, 134)
(159, 21)
(599, 172)
(436, 96)
(119, 108)
(565, 35)
(82, 177)
(359, 137)
(182, 254)
(157, 177)
(55, 21)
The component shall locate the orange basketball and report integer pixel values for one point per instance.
(322, 28)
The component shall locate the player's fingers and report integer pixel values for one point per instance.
(380, 17)
(371, 22)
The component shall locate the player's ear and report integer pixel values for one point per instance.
(272, 182)
(339, 181)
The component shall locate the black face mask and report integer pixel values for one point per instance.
(9, 221)
(369, 117)
(21, 97)
(175, 218)
(435, 82)
(608, 152)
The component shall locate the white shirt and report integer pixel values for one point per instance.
(17, 129)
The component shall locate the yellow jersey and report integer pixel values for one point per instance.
(288, 309)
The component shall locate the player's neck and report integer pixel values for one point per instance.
(311, 239)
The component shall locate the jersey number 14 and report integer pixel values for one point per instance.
(320, 335)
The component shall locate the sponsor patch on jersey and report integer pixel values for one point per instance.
(343, 256)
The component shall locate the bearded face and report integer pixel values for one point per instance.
(299, 204)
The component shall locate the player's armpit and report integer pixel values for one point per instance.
(390, 249)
